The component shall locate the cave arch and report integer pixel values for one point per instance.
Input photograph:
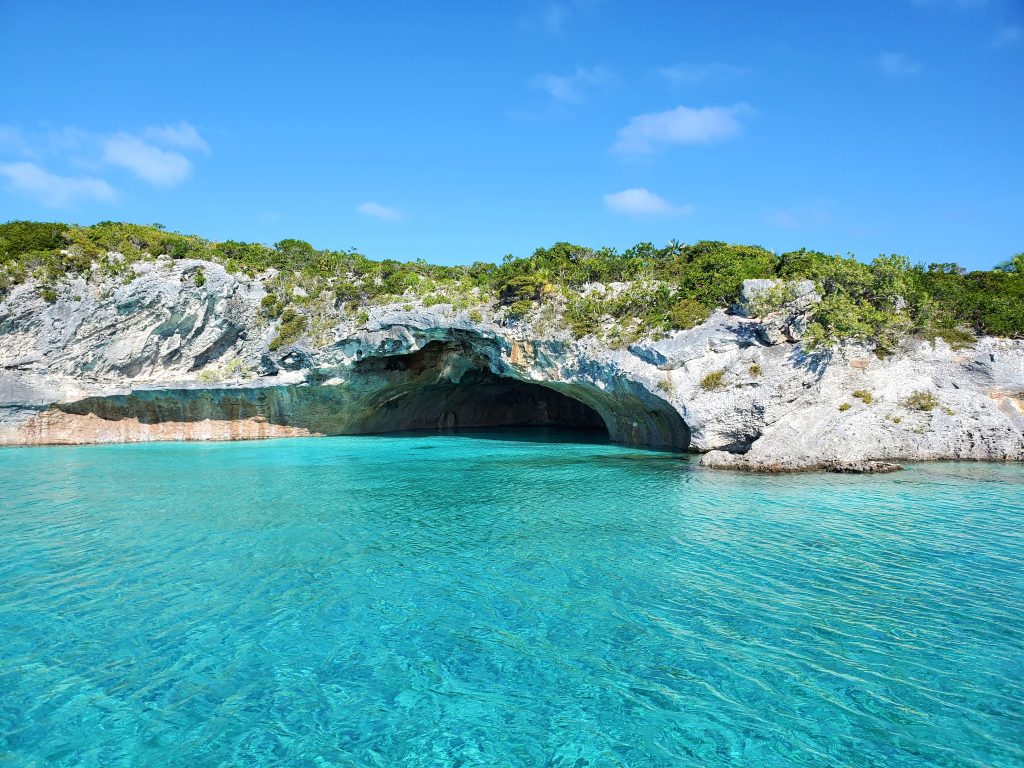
(452, 384)
(460, 382)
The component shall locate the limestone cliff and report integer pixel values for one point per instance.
(165, 356)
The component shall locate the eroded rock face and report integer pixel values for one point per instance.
(161, 358)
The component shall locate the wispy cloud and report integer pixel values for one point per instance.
(682, 125)
(163, 168)
(569, 89)
(51, 190)
(15, 142)
(695, 74)
(896, 64)
(156, 154)
(1007, 37)
(642, 202)
(183, 136)
(377, 211)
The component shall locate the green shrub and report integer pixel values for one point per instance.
(476, 316)
(864, 395)
(583, 325)
(957, 338)
(921, 401)
(519, 309)
(397, 282)
(755, 369)
(685, 314)
(774, 299)
(520, 288)
(293, 325)
(48, 294)
(844, 407)
(675, 287)
(272, 306)
(200, 278)
(294, 253)
(346, 291)
(209, 376)
(18, 237)
(713, 381)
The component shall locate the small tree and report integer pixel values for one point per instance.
(1013, 264)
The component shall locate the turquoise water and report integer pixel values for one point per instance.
(451, 601)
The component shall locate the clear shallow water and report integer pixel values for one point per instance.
(451, 601)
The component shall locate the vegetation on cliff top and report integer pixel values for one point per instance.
(673, 287)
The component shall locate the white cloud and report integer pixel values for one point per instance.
(183, 136)
(162, 167)
(695, 74)
(1008, 36)
(642, 202)
(378, 211)
(155, 154)
(50, 189)
(682, 125)
(898, 64)
(569, 88)
(13, 141)
(157, 166)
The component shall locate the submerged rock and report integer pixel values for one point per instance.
(725, 460)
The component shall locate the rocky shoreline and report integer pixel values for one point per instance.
(161, 358)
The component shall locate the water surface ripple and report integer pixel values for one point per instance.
(456, 601)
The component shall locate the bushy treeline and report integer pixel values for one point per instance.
(676, 286)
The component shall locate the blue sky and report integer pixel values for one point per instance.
(463, 131)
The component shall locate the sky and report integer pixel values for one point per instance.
(463, 131)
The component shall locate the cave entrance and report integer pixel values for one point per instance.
(452, 385)
(460, 383)
(481, 400)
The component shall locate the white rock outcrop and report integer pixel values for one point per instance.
(159, 357)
